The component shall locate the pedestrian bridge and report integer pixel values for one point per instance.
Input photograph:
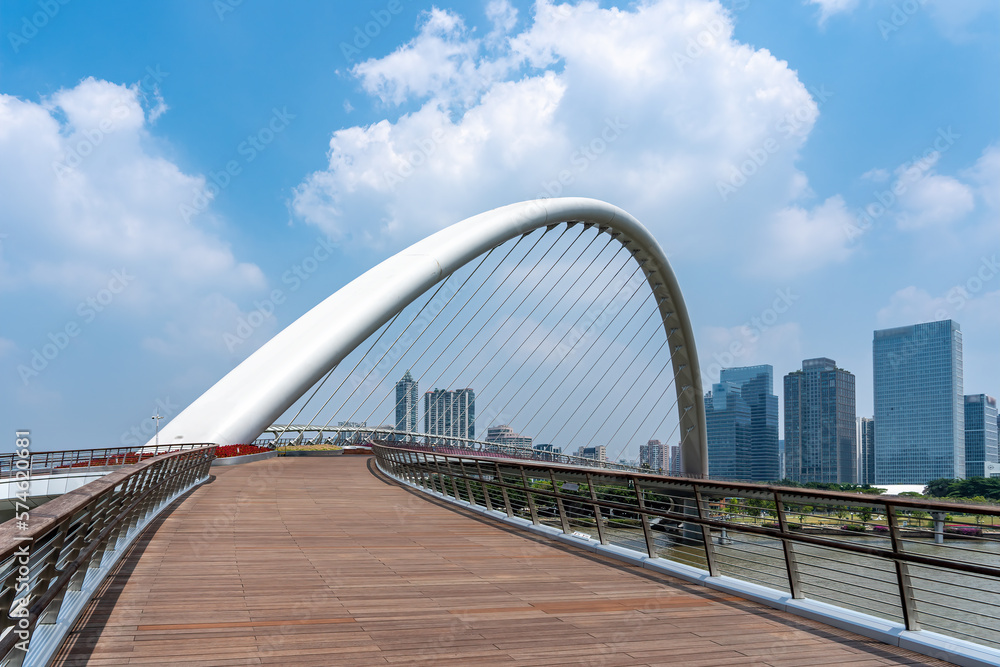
(560, 319)
(298, 561)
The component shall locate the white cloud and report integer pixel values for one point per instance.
(648, 108)
(84, 195)
(829, 8)
(927, 198)
(985, 176)
(803, 239)
(503, 16)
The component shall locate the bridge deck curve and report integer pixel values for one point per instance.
(306, 561)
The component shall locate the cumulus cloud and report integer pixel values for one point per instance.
(927, 198)
(85, 196)
(807, 238)
(650, 108)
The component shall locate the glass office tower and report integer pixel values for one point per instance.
(919, 403)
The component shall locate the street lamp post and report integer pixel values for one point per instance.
(156, 420)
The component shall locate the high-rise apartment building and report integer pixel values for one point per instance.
(866, 450)
(450, 414)
(980, 435)
(821, 438)
(407, 404)
(656, 455)
(742, 417)
(919, 403)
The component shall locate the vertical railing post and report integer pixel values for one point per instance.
(482, 485)
(527, 494)
(902, 572)
(706, 533)
(468, 486)
(597, 509)
(791, 562)
(559, 504)
(503, 491)
(647, 533)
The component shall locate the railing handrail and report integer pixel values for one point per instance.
(72, 542)
(66, 458)
(688, 508)
(847, 497)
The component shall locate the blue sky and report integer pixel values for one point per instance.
(755, 137)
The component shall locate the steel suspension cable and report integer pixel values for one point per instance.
(469, 300)
(603, 375)
(600, 356)
(540, 321)
(572, 328)
(488, 319)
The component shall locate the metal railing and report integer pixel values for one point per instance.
(54, 558)
(47, 462)
(923, 564)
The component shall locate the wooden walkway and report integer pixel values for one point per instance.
(316, 561)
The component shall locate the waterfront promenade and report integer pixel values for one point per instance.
(318, 561)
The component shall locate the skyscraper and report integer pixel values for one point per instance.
(727, 418)
(407, 404)
(757, 389)
(866, 441)
(980, 435)
(919, 403)
(821, 438)
(450, 414)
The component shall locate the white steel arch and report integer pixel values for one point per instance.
(253, 395)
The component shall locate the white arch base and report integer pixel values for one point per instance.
(258, 391)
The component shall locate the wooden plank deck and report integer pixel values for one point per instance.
(316, 561)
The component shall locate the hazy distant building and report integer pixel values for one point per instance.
(919, 403)
(675, 460)
(547, 452)
(407, 404)
(656, 455)
(727, 417)
(505, 435)
(450, 414)
(866, 447)
(598, 453)
(980, 435)
(821, 438)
